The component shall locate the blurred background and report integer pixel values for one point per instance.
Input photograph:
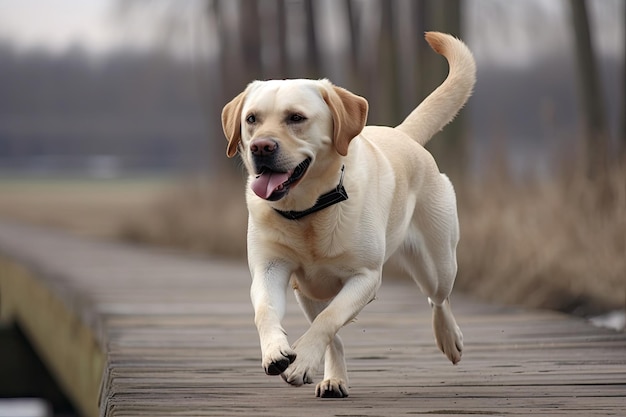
(110, 128)
(110, 123)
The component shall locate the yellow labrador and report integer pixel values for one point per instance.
(330, 200)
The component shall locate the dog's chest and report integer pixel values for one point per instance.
(315, 243)
(321, 282)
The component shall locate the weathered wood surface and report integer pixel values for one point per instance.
(177, 338)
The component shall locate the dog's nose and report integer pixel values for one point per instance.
(263, 147)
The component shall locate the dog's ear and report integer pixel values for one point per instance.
(349, 115)
(231, 123)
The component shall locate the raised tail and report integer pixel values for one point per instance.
(443, 104)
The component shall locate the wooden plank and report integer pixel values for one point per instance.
(179, 339)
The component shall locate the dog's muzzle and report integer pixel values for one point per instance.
(272, 183)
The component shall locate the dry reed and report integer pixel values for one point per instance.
(557, 243)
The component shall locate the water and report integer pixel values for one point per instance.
(24, 407)
(615, 320)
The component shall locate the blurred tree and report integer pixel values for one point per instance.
(281, 25)
(450, 148)
(623, 112)
(239, 45)
(250, 40)
(354, 32)
(385, 83)
(591, 102)
(312, 47)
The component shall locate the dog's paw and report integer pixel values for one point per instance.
(298, 374)
(301, 371)
(450, 342)
(277, 362)
(447, 333)
(310, 352)
(331, 388)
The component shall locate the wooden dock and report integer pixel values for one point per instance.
(136, 332)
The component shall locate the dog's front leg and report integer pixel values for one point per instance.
(355, 294)
(268, 290)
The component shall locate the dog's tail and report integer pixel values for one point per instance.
(443, 104)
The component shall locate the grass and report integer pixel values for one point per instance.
(198, 216)
(557, 243)
(88, 207)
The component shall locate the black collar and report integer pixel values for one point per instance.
(335, 196)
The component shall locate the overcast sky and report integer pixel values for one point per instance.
(95, 25)
(497, 30)
(55, 24)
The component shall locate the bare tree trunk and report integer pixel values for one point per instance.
(250, 40)
(275, 62)
(283, 58)
(354, 25)
(368, 58)
(230, 65)
(229, 81)
(406, 37)
(211, 94)
(354, 31)
(423, 51)
(450, 145)
(312, 49)
(239, 53)
(623, 112)
(591, 101)
(388, 99)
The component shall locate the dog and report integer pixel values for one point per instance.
(330, 200)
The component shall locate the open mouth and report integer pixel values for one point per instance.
(272, 185)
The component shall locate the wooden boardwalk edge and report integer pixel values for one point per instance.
(62, 341)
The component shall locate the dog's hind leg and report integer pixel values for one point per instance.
(335, 383)
(428, 254)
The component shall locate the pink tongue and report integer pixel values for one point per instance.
(266, 183)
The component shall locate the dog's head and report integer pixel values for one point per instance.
(289, 130)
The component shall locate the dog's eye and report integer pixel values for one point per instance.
(251, 119)
(296, 118)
